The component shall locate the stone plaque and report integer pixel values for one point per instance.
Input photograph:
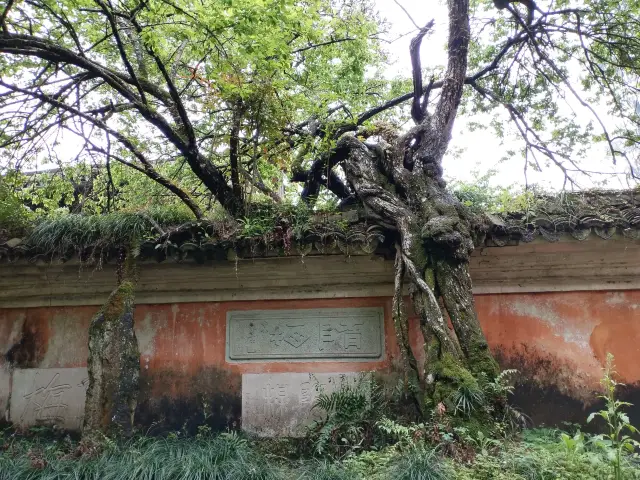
(280, 404)
(328, 333)
(49, 396)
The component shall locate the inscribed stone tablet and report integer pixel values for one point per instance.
(328, 333)
(49, 396)
(280, 404)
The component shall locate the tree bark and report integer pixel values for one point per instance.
(434, 234)
(113, 364)
(402, 184)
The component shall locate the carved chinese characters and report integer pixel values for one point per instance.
(49, 396)
(349, 333)
(280, 404)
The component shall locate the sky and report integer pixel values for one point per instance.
(479, 151)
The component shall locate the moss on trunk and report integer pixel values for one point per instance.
(114, 366)
(454, 284)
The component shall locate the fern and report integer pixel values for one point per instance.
(501, 386)
(348, 417)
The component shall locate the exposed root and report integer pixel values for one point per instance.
(454, 283)
(401, 323)
(426, 304)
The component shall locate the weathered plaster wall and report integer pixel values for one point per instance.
(184, 374)
(550, 309)
(559, 343)
(183, 358)
(557, 340)
(540, 266)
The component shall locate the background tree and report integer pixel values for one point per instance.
(214, 101)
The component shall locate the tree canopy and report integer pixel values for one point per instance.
(201, 98)
(228, 102)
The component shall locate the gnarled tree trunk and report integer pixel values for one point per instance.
(113, 363)
(401, 185)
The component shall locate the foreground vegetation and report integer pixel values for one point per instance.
(535, 455)
(353, 440)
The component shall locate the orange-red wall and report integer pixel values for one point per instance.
(558, 342)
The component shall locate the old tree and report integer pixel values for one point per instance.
(218, 104)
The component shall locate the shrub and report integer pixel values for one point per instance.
(540, 455)
(617, 442)
(14, 216)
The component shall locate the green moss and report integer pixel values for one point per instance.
(118, 301)
(113, 366)
(481, 360)
(453, 369)
(431, 350)
(419, 253)
(451, 374)
(430, 278)
(478, 421)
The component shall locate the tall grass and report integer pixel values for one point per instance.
(418, 463)
(215, 458)
(72, 232)
(538, 455)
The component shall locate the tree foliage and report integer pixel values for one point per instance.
(192, 96)
(218, 102)
(564, 77)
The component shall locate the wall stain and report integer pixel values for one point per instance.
(211, 396)
(547, 370)
(183, 352)
(548, 406)
(29, 351)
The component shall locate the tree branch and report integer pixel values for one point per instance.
(208, 173)
(418, 108)
(454, 79)
(175, 96)
(234, 142)
(147, 168)
(3, 16)
(123, 54)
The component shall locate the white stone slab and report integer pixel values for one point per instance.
(305, 334)
(5, 391)
(280, 404)
(49, 396)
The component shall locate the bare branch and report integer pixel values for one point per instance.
(406, 12)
